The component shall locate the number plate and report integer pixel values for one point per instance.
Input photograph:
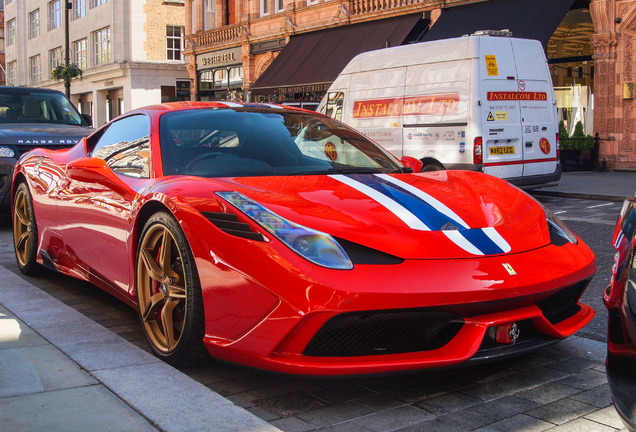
(501, 150)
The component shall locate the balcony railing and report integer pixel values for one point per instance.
(366, 6)
(218, 36)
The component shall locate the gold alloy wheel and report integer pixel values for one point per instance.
(162, 290)
(22, 227)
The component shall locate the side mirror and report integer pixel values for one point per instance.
(413, 163)
(95, 170)
(87, 119)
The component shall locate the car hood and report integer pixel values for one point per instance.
(38, 134)
(444, 214)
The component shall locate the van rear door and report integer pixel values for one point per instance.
(538, 113)
(500, 117)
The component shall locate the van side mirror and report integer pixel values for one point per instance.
(413, 163)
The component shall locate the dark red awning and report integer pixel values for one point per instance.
(312, 61)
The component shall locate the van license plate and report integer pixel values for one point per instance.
(501, 150)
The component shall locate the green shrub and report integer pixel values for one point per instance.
(578, 140)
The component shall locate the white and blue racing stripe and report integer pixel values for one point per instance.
(420, 211)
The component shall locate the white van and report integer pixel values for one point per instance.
(483, 102)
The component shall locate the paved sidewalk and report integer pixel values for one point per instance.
(61, 371)
(610, 186)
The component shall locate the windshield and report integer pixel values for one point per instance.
(37, 107)
(261, 142)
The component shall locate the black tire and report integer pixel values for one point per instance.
(25, 232)
(432, 166)
(169, 298)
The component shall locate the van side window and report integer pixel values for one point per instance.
(334, 105)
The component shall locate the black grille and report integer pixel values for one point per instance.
(384, 332)
(562, 305)
(230, 224)
(359, 254)
(26, 148)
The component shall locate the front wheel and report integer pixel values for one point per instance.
(432, 166)
(25, 231)
(169, 296)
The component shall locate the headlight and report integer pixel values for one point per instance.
(6, 152)
(556, 226)
(314, 246)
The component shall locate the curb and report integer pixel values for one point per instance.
(177, 403)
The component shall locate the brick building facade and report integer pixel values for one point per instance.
(231, 44)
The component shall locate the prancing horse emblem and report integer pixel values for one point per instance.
(509, 268)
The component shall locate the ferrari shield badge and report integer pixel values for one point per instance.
(509, 269)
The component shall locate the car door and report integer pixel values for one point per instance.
(96, 211)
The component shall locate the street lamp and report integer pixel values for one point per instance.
(68, 5)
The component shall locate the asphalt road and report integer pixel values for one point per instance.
(593, 222)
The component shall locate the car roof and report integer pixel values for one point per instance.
(27, 90)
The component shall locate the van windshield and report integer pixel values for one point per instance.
(19, 106)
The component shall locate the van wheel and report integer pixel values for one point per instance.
(432, 166)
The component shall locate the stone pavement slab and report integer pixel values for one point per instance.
(61, 371)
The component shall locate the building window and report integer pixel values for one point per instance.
(35, 69)
(174, 35)
(95, 3)
(79, 8)
(210, 6)
(311, 2)
(10, 31)
(264, 7)
(55, 58)
(280, 5)
(12, 73)
(79, 53)
(55, 14)
(34, 24)
(101, 46)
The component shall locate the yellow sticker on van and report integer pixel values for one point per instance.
(501, 116)
(491, 65)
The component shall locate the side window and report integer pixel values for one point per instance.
(125, 146)
(334, 105)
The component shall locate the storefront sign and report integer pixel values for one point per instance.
(183, 88)
(435, 104)
(215, 59)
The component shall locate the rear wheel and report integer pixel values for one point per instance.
(169, 293)
(25, 231)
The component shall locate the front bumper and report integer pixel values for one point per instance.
(470, 298)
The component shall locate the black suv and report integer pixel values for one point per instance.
(32, 117)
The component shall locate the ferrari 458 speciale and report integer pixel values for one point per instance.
(284, 240)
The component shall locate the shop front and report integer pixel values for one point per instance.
(220, 75)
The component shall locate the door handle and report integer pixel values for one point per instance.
(529, 144)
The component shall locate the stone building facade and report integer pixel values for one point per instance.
(614, 107)
(130, 52)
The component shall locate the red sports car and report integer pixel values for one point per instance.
(284, 240)
(620, 299)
